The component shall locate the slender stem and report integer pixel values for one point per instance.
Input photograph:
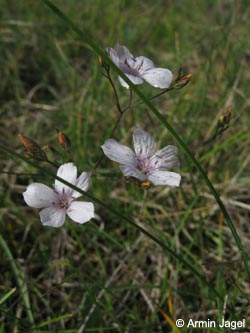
(130, 101)
(116, 124)
(137, 103)
(111, 136)
(120, 110)
(45, 159)
(115, 93)
(51, 162)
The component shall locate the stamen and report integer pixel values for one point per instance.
(139, 66)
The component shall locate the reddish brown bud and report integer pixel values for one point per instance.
(185, 79)
(63, 140)
(32, 148)
(182, 81)
(30, 145)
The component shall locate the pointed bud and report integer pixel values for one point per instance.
(224, 119)
(32, 148)
(30, 145)
(181, 81)
(63, 140)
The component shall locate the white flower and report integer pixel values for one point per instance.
(145, 163)
(61, 201)
(139, 68)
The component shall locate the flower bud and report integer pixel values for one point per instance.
(63, 140)
(224, 119)
(32, 148)
(181, 81)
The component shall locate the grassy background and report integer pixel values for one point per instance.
(105, 275)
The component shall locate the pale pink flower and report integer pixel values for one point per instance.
(61, 201)
(145, 163)
(139, 68)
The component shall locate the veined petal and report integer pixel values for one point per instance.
(167, 157)
(134, 79)
(158, 177)
(39, 196)
(52, 217)
(158, 77)
(113, 55)
(81, 212)
(142, 64)
(83, 182)
(118, 152)
(68, 172)
(123, 53)
(144, 144)
(128, 170)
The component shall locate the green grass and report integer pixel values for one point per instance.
(107, 276)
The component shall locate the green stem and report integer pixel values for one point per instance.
(111, 136)
(115, 93)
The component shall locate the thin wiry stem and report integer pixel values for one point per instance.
(140, 102)
(111, 136)
(120, 110)
(115, 93)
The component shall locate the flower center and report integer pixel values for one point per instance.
(144, 165)
(63, 204)
(128, 68)
(63, 201)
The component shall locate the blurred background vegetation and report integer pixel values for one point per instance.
(105, 275)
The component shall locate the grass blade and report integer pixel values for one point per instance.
(7, 295)
(19, 281)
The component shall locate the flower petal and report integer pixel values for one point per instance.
(83, 182)
(158, 77)
(123, 53)
(167, 157)
(113, 55)
(128, 170)
(39, 195)
(67, 171)
(52, 217)
(134, 79)
(118, 152)
(144, 144)
(143, 64)
(158, 177)
(81, 212)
